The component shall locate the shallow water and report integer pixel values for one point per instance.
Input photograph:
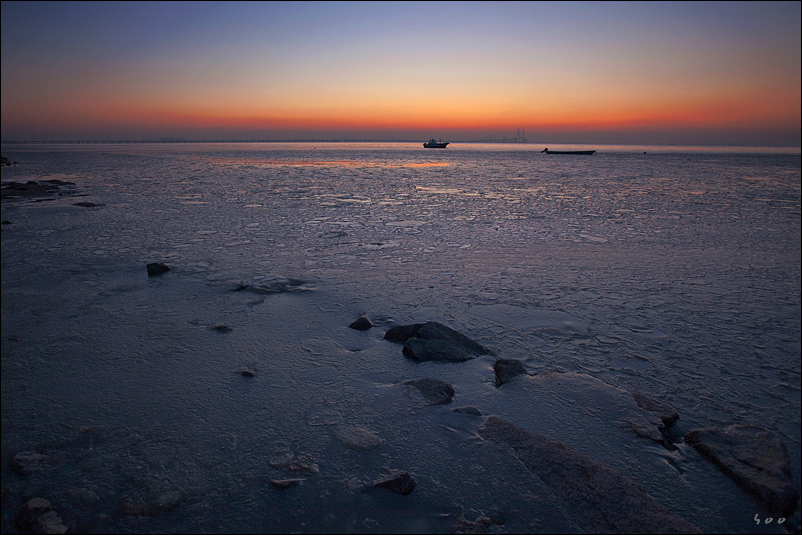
(669, 270)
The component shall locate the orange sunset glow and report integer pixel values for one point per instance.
(668, 72)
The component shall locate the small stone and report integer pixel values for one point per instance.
(480, 525)
(667, 414)
(400, 482)
(245, 372)
(506, 369)
(362, 323)
(435, 391)
(157, 268)
(473, 411)
(26, 462)
(38, 516)
(358, 438)
(286, 483)
(168, 500)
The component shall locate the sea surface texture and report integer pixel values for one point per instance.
(229, 394)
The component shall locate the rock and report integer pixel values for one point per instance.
(88, 204)
(358, 438)
(26, 462)
(400, 482)
(157, 268)
(245, 372)
(598, 498)
(435, 391)
(285, 460)
(755, 458)
(38, 516)
(434, 341)
(273, 286)
(32, 188)
(223, 328)
(468, 410)
(664, 411)
(506, 369)
(401, 333)
(362, 323)
(646, 429)
(481, 525)
(286, 483)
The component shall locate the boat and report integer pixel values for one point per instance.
(434, 144)
(586, 152)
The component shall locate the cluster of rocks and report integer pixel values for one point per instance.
(753, 457)
(34, 188)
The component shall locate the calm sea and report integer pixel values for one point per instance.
(668, 270)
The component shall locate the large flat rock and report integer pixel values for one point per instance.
(753, 457)
(599, 499)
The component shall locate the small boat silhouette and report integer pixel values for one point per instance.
(547, 151)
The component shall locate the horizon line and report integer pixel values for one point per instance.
(493, 141)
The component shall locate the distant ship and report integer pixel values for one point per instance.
(587, 152)
(434, 144)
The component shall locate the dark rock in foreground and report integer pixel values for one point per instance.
(435, 391)
(26, 462)
(399, 482)
(434, 341)
(362, 323)
(599, 499)
(401, 333)
(38, 516)
(754, 458)
(667, 414)
(506, 369)
(157, 268)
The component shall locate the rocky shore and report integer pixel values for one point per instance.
(161, 396)
(597, 498)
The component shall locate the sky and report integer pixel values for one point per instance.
(562, 72)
